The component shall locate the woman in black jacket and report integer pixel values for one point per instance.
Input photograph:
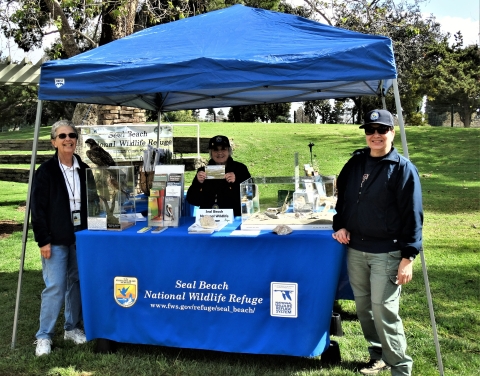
(219, 193)
(59, 209)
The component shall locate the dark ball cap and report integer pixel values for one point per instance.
(378, 117)
(218, 141)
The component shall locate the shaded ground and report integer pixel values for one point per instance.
(7, 227)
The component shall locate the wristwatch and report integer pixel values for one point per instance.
(411, 258)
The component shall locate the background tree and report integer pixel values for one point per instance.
(182, 116)
(196, 114)
(402, 21)
(272, 112)
(84, 24)
(211, 114)
(453, 79)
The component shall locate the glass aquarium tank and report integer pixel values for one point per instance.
(110, 194)
(306, 203)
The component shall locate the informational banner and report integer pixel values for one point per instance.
(125, 142)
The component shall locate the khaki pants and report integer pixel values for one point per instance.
(377, 297)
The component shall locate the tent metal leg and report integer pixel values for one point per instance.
(400, 118)
(432, 314)
(422, 256)
(26, 219)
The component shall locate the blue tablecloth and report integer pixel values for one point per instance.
(265, 294)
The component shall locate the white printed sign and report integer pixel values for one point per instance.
(125, 142)
(220, 215)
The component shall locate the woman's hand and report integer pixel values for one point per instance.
(230, 177)
(342, 236)
(46, 251)
(201, 176)
(405, 271)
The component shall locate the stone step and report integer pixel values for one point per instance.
(23, 158)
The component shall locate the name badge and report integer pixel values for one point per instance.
(77, 221)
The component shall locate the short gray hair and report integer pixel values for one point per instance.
(61, 123)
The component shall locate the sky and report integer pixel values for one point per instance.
(457, 15)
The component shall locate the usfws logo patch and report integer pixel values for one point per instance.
(59, 82)
(125, 291)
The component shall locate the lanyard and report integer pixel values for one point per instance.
(68, 183)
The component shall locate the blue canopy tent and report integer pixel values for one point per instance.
(229, 57)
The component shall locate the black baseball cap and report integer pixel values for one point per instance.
(218, 141)
(378, 117)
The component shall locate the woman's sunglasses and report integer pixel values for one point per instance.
(63, 136)
(382, 129)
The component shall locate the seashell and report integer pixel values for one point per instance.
(282, 230)
(207, 221)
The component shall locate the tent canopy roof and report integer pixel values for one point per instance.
(229, 57)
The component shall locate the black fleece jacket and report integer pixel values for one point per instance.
(51, 215)
(226, 194)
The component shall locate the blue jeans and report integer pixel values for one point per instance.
(60, 273)
(377, 299)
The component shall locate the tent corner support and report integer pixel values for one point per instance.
(26, 219)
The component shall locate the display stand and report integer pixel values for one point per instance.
(166, 196)
(110, 200)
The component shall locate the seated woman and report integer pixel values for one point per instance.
(219, 193)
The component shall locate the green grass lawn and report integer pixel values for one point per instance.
(448, 160)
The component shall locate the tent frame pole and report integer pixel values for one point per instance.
(26, 219)
(159, 122)
(422, 255)
(382, 95)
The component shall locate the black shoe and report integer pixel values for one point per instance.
(374, 366)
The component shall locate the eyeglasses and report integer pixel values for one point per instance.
(63, 136)
(382, 129)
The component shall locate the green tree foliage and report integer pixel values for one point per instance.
(324, 111)
(402, 22)
(183, 116)
(18, 105)
(453, 78)
(273, 112)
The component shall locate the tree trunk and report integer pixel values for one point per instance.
(358, 105)
(466, 117)
(67, 35)
(118, 20)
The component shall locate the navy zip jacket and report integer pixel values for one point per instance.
(51, 215)
(386, 213)
(226, 194)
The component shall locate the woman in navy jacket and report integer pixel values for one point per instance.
(380, 217)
